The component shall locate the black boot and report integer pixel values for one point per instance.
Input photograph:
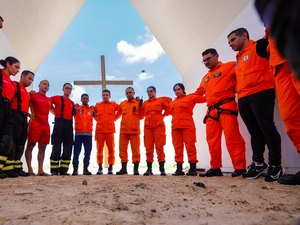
(86, 170)
(162, 169)
(9, 170)
(110, 169)
(178, 171)
(2, 175)
(192, 170)
(22, 173)
(149, 170)
(123, 170)
(75, 170)
(19, 167)
(100, 170)
(136, 169)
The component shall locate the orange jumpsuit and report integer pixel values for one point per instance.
(154, 127)
(84, 120)
(130, 130)
(252, 73)
(183, 126)
(106, 115)
(219, 86)
(288, 94)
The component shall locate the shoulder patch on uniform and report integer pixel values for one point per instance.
(246, 57)
(217, 74)
(206, 79)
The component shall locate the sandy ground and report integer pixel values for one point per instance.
(147, 200)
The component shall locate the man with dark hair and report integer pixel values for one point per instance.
(62, 132)
(19, 106)
(219, 85)
(83, 134)
(256, 100)
(106, 115)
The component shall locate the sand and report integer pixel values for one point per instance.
(132, 199)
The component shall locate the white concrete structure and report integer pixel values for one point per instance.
(185, 29)
(32, 28)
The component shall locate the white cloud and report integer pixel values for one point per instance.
(82, 45)
(149, 51)
(76, 93)
(112, 77)
(145, 76)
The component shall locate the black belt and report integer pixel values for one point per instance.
(220, 110)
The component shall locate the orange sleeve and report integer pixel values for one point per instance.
(200, 91)
(197, 98)
(118, 112)
(166, 105)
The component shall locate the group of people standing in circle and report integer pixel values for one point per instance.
(257, 75)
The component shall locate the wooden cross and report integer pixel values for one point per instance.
(103, 82)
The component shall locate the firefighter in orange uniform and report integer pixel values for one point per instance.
(256, 101)
(219, 85)
(106, 115)
(131, 112)
(83, 134)
(11, 66)
(154, 129)
(19, 105)
(287, 94)
(183, 128)
(288, 99)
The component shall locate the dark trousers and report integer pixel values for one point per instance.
(20, 126)
(62, 135)
(257, 112)
(87, 143)
(6, 130)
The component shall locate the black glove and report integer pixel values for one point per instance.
(141, 102)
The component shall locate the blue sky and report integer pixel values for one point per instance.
(112, 28)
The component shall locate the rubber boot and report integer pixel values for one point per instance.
(192, 170)
(178, 171)
(86, 170)
(2, 175)
(162, 169)
(123, 170)
(9, 170)
(75, 170)
(100, 170)
(22, 173)
(110, 169)
(149, 170)
(136, 169)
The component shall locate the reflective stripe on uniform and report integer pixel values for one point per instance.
(54, 166)
(3, 158)
(7, 168)
(64, 166)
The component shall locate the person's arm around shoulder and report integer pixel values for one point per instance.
(118, 111)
